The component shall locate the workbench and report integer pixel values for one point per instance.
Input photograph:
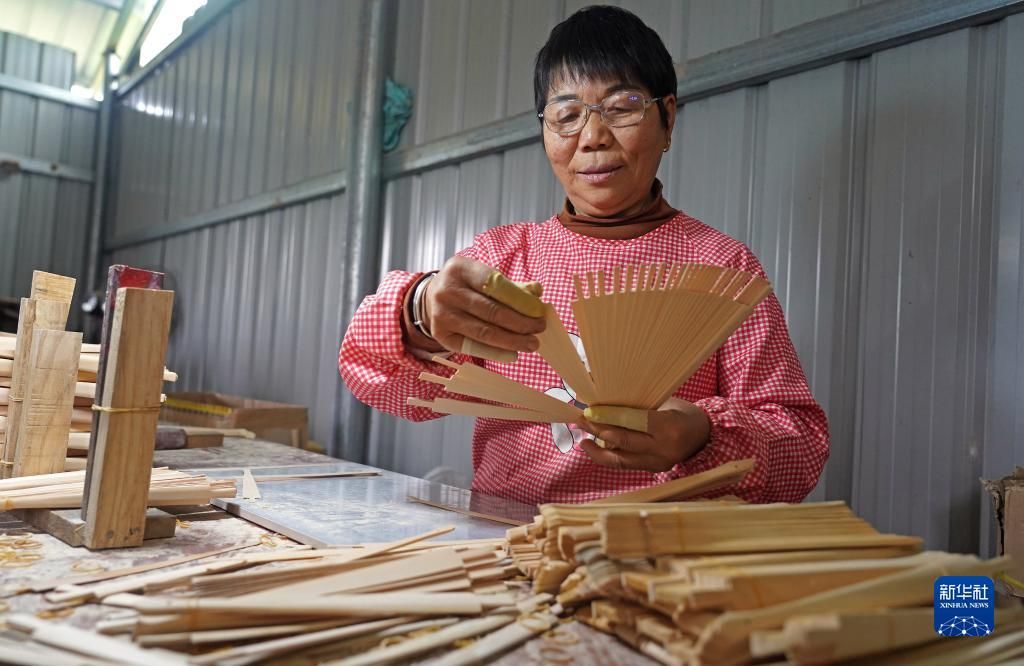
(319, 512)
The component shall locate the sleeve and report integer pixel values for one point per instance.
(374, 362)
(765, 411)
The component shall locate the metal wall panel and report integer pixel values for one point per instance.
(471, 63)
(1003, 443)
(43, 219)
(246, 319)
(255, 103)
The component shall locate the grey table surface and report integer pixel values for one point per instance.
(339, 511)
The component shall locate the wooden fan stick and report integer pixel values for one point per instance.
(481, 410)
(686, 487)
(42, 436)
(118, 276)
(122, 451)
(498, 388)
(487, 391)
(557, 349)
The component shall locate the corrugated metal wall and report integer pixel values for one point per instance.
(35, 209)
(883, 195)
(257, 103)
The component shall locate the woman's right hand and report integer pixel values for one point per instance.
(470, 307)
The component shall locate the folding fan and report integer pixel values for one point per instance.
(645, 330)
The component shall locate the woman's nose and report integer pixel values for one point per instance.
(595, 134)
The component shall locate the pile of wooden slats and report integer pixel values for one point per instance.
(728, 583)
(64, 490)
(85, 393)
(376, 603)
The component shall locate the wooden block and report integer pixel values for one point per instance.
(42, 435)
(117, 481)
(68, 526)
(43, 315)
(203, 441)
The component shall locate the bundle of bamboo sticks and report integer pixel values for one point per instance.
(64, 490)
(728, 583)
(645, 330)
(85, 393)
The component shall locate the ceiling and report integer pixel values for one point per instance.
(86, 27)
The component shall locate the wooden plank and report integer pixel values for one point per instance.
(44, 315)
(118, 276)
(42, 436)
(114, 511)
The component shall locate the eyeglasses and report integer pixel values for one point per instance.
(620, 109)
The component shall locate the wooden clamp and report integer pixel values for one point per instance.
(118, 276)
(121, 457)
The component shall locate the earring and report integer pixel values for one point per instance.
(667, 146)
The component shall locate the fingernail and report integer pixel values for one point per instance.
(600, 442)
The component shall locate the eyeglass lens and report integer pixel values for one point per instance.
(618, 110)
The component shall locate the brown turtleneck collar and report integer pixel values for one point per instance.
(652, 216)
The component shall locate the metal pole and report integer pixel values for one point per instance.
(363, 251)
(99, 192)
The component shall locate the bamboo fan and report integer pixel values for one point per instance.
(645, 330)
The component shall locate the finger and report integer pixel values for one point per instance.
(623, 439)
(535, 288)
(493, 311)
(613, 459)
(505, 291)
(480, 350)
(449, 327)
(625, 417)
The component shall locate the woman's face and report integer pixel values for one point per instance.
(608, 171)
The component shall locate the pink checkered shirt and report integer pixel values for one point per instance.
(753, 389)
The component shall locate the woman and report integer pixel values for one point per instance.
(604, 87)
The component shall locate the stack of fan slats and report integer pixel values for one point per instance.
(729, 583)
(64, 490)
(85, 392)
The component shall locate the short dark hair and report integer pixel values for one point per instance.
(605, 43)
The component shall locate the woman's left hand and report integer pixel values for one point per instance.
(673, 434)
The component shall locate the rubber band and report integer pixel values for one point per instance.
(560, 636)
(125, 410)
(87, 566)
(540, 623)
(562, 657)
